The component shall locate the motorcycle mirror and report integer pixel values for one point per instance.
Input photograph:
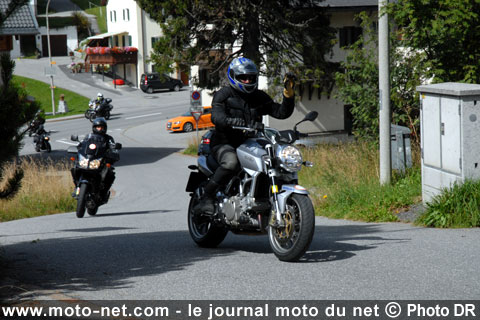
(74, 137)
(118, 146)
(311, 116)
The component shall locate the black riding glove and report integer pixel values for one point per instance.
(236, 122)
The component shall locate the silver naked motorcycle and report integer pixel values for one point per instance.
(263, 197)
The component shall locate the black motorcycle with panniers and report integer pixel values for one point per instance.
(93, 166)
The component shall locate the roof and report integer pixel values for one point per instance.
(106, 35)
(22, 21)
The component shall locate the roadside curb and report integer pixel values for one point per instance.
(78, 116)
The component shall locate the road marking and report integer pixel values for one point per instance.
(67, 142)
(145, 115)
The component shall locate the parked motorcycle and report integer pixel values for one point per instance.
(94, 159)
(99, 109)
(264, 197)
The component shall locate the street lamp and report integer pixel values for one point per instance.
(50, 59)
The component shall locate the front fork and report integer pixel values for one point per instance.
(279, 213)
(280, 198)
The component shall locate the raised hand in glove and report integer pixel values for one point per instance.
(289, 85)
(236, 122)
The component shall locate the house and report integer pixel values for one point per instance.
(18, 35)
(129, 26)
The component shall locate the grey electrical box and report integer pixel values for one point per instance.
(400, 147)
(450, 135)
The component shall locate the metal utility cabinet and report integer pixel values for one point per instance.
(450, 135)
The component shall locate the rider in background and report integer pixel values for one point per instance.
(238, 105)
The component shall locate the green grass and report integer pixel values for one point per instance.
(101, 18)
(344, 184)
(458, 207)
(84, 4)
(77, 104)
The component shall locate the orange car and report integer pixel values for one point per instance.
(187, 123)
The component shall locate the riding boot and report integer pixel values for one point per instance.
(206, 204)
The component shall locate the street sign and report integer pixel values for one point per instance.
(196, 98)
(50, 71)
(196, 95)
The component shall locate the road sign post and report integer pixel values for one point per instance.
(196, 112)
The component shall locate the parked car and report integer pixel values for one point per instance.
(186, 122)
(154, 81)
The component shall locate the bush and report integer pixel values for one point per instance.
(458, 207)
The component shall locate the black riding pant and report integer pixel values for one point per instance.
(226, 156)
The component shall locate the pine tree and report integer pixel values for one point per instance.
(15, 111)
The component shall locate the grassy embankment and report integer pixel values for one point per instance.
(77, 104)
(46, 189)
(101, 14)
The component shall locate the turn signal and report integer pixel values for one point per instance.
(72, 158)
(109, 165)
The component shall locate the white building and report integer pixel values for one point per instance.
(129, 25)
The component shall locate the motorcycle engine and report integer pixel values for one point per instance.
(232, 208)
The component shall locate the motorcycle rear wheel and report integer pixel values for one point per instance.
(290, 243)
(107, 115)
(201, 228)
(81, 200)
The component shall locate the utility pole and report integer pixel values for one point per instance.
(50, 59)
(384, 99)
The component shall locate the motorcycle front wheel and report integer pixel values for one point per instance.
(48, 147)
(289, 243)
(201, 228)
(81, 200)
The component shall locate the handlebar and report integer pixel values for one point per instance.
(244, 128)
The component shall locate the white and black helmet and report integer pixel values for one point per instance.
(241, 69)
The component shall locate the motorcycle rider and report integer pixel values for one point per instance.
(99, 131)
(240, 104)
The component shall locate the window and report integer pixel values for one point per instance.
(114, 16)
(349, 35)
(154, 40)
(126, 14)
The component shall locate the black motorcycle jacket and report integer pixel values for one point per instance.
(107, 145)
(228, 103)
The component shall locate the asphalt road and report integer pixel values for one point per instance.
(138, 246)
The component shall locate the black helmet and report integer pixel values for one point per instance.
(99, 122)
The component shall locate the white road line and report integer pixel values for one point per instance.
(145, 115)
(67, 142)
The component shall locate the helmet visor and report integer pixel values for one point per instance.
(247, 78)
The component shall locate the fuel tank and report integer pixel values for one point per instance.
(250, 154)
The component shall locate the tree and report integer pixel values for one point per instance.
(277, 35)
(15, 111)
(446, 31)
(358, 83)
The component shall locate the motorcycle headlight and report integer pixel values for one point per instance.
(95, 164)
(82, 162)
(290, 158)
